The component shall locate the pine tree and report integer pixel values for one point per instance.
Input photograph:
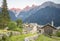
(5, 11)
(5, 15)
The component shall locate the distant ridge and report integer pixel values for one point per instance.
(50, 3)
(44, 14)
(41, 14)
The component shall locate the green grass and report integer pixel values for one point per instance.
(45, 38)
(40, 38)
(56, 38)
(19, 37)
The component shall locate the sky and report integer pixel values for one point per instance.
(23, 3)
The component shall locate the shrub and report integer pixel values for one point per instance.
(58, 33)
(12, 26)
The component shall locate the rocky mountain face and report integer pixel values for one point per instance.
(44, 14)
(41, 14)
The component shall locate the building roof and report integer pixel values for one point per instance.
(48, 25)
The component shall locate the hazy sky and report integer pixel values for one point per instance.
(23, 3)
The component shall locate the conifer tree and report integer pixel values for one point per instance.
(5, 11)
(5, 14)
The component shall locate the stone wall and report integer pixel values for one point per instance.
(8, 34)
(31, 38)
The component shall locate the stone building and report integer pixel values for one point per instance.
(30, 28)
(47, 29)
(41, 29)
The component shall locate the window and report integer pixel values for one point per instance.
(39, 31)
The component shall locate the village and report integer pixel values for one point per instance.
(33, 28)
(13, 28)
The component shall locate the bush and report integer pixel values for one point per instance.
(19, 23)
(12, 26)
(58, 33)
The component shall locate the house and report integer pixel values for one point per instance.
(47, 29)
(40, 29)
(29, 28)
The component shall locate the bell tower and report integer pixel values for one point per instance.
(52, 23)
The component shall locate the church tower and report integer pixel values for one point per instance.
(52, 23)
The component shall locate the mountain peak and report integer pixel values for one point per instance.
(34, 5)
(27, 8)
(15, 9)
(50, 4)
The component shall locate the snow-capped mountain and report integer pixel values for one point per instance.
(16, 11)
(45, 13)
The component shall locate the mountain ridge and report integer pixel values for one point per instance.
(45, 14)
(41, 14)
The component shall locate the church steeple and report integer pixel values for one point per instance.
(52, 23)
